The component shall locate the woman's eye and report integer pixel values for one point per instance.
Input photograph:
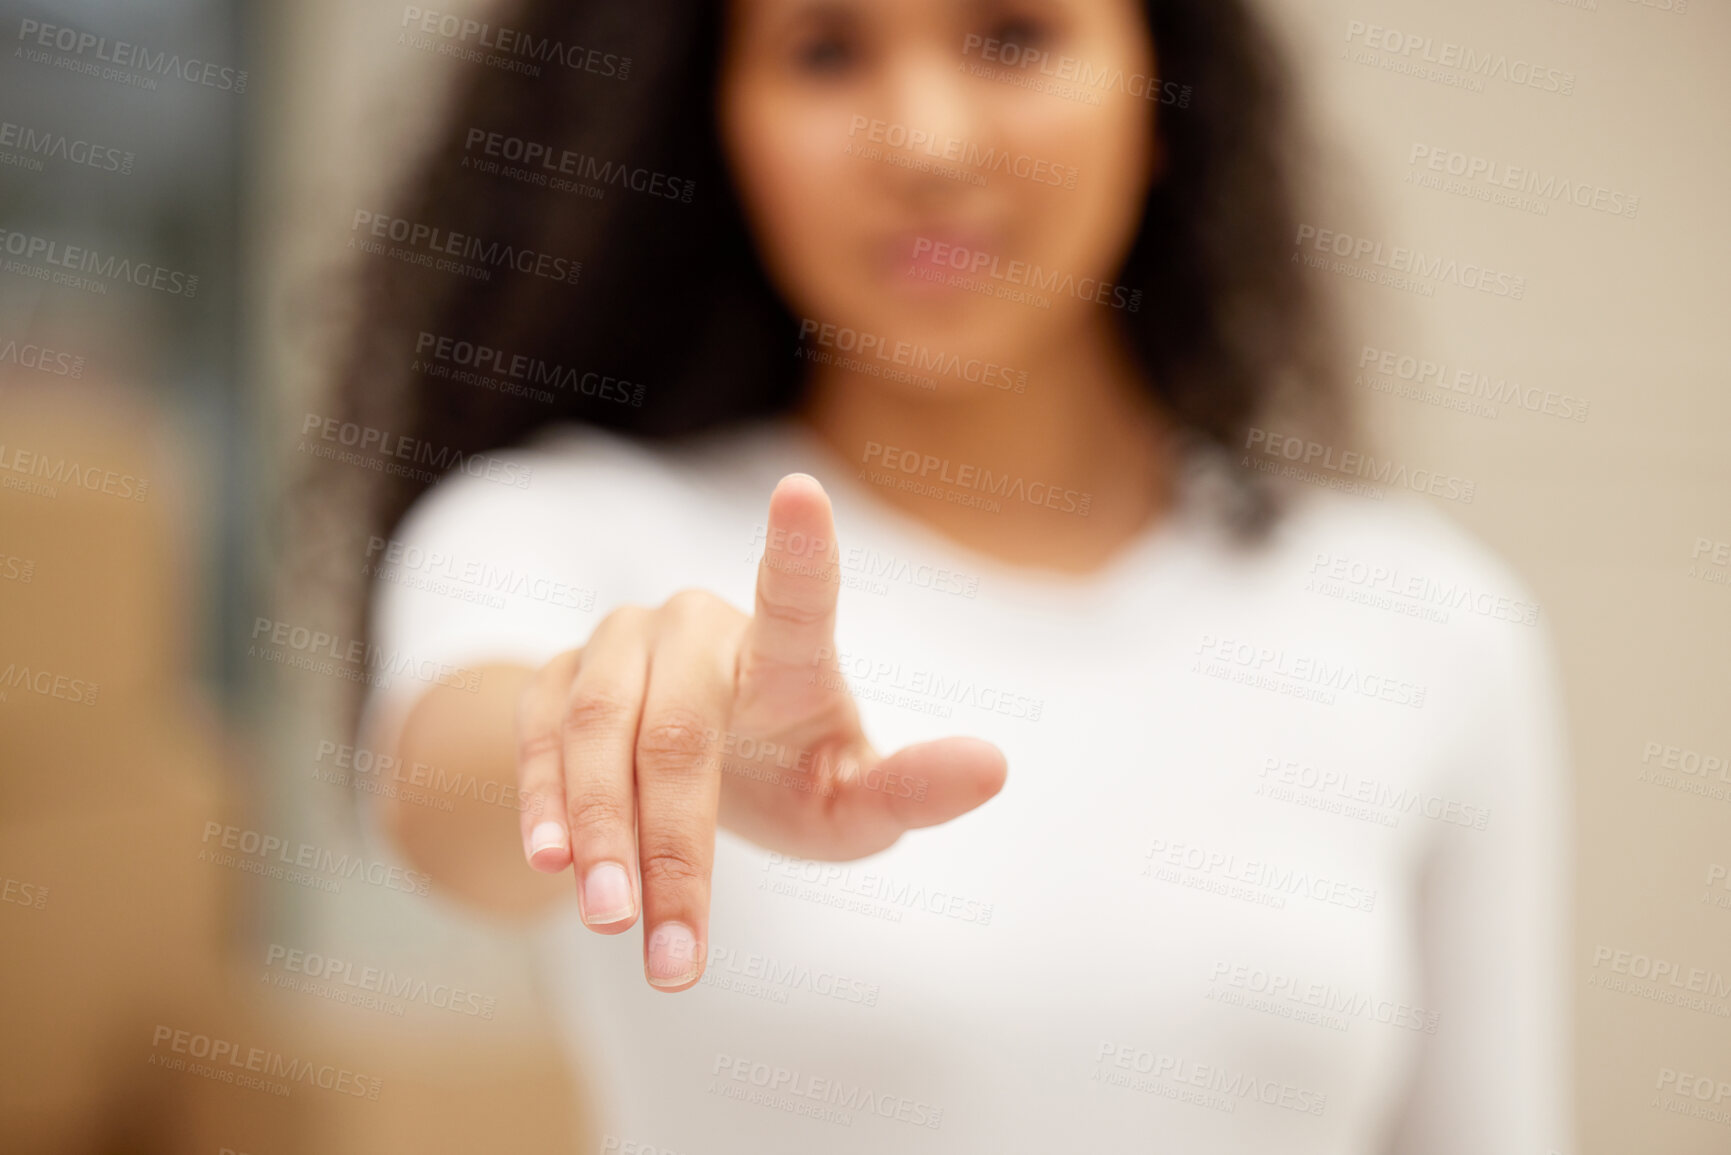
(827, 55)
(1021, 31)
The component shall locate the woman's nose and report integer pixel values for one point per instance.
(939, 105)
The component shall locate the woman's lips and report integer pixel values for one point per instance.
(931, 256)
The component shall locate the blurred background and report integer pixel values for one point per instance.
(184, 875)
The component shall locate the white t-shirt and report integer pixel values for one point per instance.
(1279, 865)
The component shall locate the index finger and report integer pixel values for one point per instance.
(793, 623)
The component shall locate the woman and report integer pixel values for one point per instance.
(972, 325)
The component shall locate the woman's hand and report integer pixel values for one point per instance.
(672, 718)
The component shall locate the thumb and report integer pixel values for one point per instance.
(921, 785)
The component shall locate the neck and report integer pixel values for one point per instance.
(1084, 435)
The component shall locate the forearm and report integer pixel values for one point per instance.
(463, 827)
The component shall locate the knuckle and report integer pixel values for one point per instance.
(588, 709)
(593, 811)
(690, 604)
(678, 741)
(537, 705)
(671, 867)
(621, 618)
(790, 613)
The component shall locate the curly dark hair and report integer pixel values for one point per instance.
(672, 296)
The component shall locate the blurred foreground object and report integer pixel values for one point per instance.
(119, 942)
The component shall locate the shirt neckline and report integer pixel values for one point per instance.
(1150, 546)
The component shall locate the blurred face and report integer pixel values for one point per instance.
(908, 173)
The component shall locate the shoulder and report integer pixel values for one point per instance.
(548, 470)
(582, 477)
(619, 520)
(1410, 582)
(1431, 650)
(1401, 547)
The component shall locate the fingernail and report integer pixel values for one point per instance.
(606, 894)
(672, 955)
(545, 838)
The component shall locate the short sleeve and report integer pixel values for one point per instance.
(510, 567)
